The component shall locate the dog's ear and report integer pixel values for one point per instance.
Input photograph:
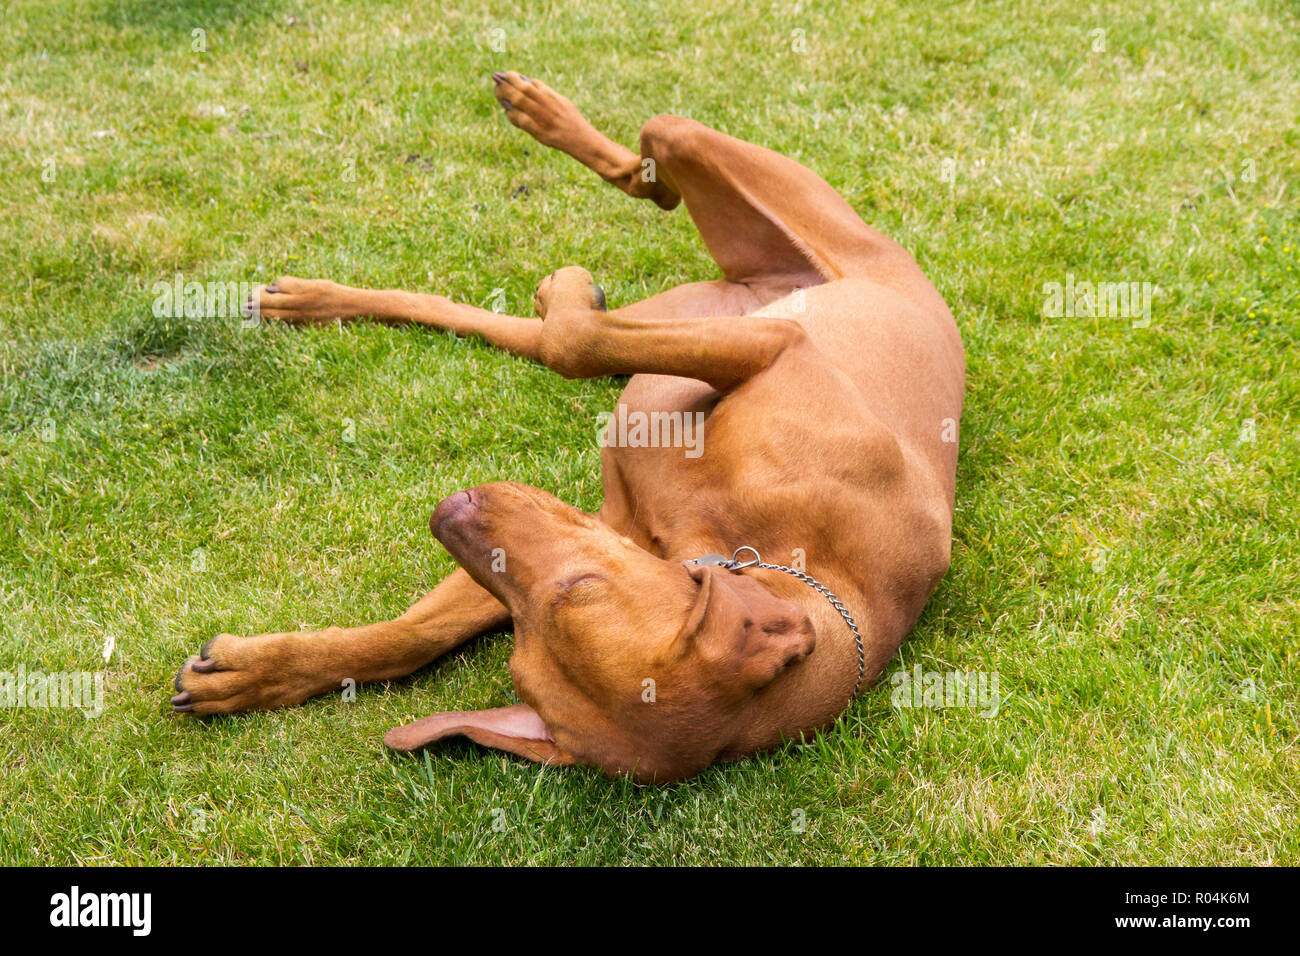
(742, 630)
(516, 729)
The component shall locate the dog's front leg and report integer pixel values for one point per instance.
(315, 301)
(276, 670)
(579, 340)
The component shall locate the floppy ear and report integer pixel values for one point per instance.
(740, 627)
(516, 729)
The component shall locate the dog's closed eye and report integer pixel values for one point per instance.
(582, 589)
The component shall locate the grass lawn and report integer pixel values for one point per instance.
(1125, 553)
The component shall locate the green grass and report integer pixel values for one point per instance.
(165, 479)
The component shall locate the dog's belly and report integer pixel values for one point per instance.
(896, 357)
(903, 353)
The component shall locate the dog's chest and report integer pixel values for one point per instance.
(684, 469)
(656, 449)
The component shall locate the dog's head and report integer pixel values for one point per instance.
(625, 661)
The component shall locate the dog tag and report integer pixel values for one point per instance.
(721, 559)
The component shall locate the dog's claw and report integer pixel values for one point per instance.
(498, 78)
(200, 665)
(182, 708)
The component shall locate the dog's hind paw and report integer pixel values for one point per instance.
(547, 116)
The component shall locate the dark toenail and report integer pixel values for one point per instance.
(203, 651)
(598, 297)
(498, 78)
(182, 698)
(176, 681)
(273, 288)
(182, 708)
(204, 667)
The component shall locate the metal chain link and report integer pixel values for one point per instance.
(734, 564)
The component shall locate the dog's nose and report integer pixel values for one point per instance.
(449, 509)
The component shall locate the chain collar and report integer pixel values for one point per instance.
(735, 564)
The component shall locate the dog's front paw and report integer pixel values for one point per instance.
(246, 673)
(568, 288)
(298, 301)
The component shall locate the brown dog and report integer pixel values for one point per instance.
(828, 374)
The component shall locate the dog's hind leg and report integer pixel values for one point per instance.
(769, 223)
(552, 119)
(235, 673)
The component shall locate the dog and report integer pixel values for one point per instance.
(718, 603)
